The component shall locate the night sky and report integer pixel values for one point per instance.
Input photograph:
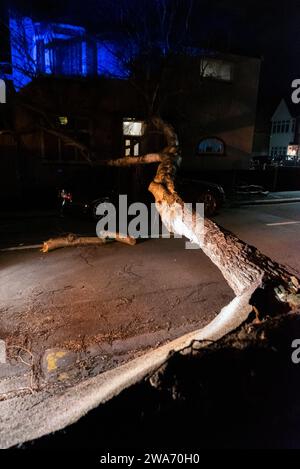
(260, 28)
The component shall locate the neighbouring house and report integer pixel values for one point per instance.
(80, 86)
(218, 133)
(284, 134)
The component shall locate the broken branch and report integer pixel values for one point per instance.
(72, 240)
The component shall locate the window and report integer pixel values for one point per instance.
(63, 120)
(278, 151)
(40, 52)
(50, 147)
(292, 150)
(133, 130)
(217, 69)
(281, 127)
(133, 127)
(55, 148)
(211, 146)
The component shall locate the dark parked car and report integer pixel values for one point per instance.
(84, 200)
(210, 194)
(76, 202)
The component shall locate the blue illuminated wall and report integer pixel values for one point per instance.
(22, 50)
(112, 59)
(40, 48)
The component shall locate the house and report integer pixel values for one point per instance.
(284, 134)
(221, 110)
(84, 89)
(47, 48)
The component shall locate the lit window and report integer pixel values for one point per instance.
(211, 146)
(63, 120)
(218, 69)
(133, 127)
(293, 150)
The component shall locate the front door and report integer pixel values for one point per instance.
(132, 146)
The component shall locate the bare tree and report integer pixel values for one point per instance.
(146, 40)
(24, 35)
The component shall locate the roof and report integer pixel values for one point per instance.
(293, 108)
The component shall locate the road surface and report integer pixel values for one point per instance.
(274, 229)
(116, 301)
(109, 303)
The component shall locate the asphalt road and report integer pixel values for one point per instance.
(37, 226)
(107, 304)
(117, 301)
(110, 304)
(274, 229)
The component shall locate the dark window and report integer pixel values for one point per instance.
(40, 52)
(211, 146)
(51, 147)
(287, 126)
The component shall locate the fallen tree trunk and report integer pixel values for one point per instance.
(242, 265)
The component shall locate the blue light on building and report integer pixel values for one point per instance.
(23, 51)
(42, 48)
(111, 60)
